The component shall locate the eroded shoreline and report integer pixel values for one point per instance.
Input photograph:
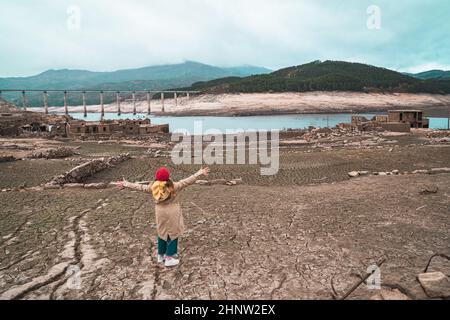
(267, 104)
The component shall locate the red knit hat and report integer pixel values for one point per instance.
(162, 174)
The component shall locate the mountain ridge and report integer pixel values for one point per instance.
(431, 74)
(80, 77)
(159, 77)
(314, 76)
(326, 76)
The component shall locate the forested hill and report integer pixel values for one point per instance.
(326, 76)
(432, 74)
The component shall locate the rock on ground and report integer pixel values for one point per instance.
(353, 174)
(435, 284)
(390, 295)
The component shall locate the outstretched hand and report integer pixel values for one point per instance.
(120, 184)
(204, 171)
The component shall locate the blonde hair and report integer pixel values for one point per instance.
(163, 190)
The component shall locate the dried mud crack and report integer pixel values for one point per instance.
(57, 274)
(279, 237)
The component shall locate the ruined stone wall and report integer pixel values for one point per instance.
(163, 128)
(406, 116)
(87, 169)
(7, 159)
(396, 126)
(57, 153)
(11, 123)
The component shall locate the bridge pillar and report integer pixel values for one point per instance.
(24, 101)
(102, 105)
(84, 103)
(66, 108)
(187, 95)
(118, 103)
(45, 96)
(149, 99)
(162, 101)
(134, 102)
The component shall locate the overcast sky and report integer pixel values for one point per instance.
(36, 35)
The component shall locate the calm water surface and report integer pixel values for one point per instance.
(279, 122)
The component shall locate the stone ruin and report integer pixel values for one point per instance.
(85, 170)
(395, 121)
(16, 122)
(58, 153)
(113, 128)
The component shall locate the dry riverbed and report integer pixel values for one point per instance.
(295, 235)
(434, 105)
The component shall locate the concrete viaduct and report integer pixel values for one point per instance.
(149, 96)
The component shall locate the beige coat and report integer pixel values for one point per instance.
(169, 218)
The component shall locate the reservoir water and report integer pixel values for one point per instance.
(280, 122)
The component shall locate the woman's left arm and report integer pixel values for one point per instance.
(180, 185)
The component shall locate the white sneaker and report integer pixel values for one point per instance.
(160, 258)
(171, 262)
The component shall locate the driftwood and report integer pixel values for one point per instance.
(356, 285)
(433, 256)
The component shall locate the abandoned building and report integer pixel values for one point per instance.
(18, 123)
(15, 121)
(27, 122)
(114, 127)
(413, 117)
(36, 127)
(396, 120)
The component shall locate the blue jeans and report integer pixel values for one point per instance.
(169, 247)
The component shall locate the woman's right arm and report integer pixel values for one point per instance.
(134, 186)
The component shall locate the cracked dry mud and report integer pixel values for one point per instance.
(286, 237)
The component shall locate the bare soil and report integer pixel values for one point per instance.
(284, 237)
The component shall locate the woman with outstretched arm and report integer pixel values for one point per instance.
(169, 218)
